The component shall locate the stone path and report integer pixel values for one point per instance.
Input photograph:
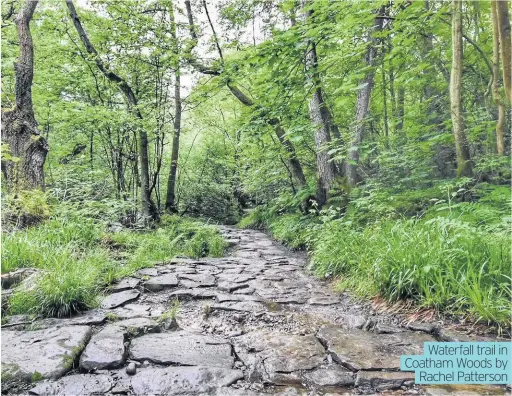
(249, 324)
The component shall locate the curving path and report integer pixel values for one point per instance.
(248, 324)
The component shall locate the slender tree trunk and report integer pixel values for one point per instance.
(505, 43)
(362, 107)
(170, 201)
(19, 126)
(321, 117)
(464, 166)
(149, 210)
(293, 161)
(500, 147)
(385, 105)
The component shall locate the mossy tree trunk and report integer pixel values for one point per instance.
(26, 147)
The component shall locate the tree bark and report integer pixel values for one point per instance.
(500, 146)
(322, 118)
(505, 43)
(27, 147)
(149, 210)
(170, 201)
(362, 107)
(464, 166)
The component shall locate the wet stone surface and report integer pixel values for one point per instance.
(252, 323)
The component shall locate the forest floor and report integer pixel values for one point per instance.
(251, 323)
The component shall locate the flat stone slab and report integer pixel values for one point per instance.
(190, 381)
(118, 299)
(183, 348)
(80, 384)
(148, 272)
(204, 280)
(241, 306)
(138, 311)
(230, 287)
(384, 380)
(105, 350)
(198, 292)
(161, 282)
(50, 352)
(237, 297)
(126, 284)
(331, 377)
(361, 350)
(94, 317)
(323, 300)
(271, 354)
(137, 326)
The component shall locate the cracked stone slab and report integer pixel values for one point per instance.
(362, 350)
(420, 326)
(117, 299)
(321, 300)
(49, 352)
(353, 321)
(147, 272)
(161, 282)
(240, 306)
(94, 317)
(189, 284)
(237, 297)
(269, 355)
(204, 280)
(331, 377)
(79, 384)
(247, 290)
(137, 326)
(105, 350)
(231, 287)
(126, 284)
(138, 311)
(384, 380)
(197, 292)
(190, 381)
(183, 348)
(185, 270)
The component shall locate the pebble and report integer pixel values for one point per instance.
(131, 369)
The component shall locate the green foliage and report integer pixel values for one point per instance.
(454, 256)
(78, 259)
(25, 208)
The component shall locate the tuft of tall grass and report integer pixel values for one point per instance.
(442, 263)
(77, 259)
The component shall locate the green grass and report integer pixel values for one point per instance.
(77, 259)
(456, 257)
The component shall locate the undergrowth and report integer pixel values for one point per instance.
(77, 259)
(453, 255)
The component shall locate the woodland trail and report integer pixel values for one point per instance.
(248, 324)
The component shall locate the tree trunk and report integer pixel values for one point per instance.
(170, 201)
(362, 106)
(19, 126)
(321, 117)
(293, 161)
(505, 43)
(500, 147)
(464, 166)
(149, 210)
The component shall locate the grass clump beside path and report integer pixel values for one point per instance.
(78, 259)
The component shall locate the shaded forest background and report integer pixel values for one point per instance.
(376, 135)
